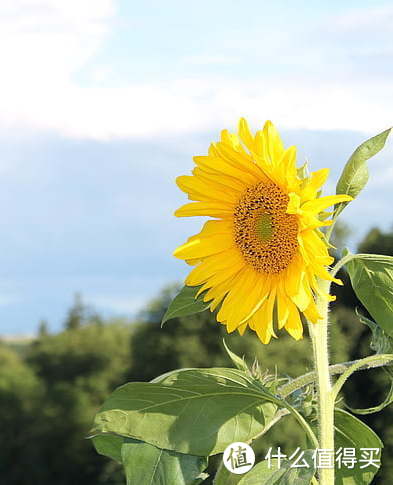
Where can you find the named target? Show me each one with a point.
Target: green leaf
(345, 252)
(185, 303)
(355, 173)
(109, 445)
(372, 280)
(164, 377)
(239, 362)
(380, 342)
(145, 464)
(261, 474)
(353, 433)
(197, 412)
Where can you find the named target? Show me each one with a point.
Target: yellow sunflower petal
(204, 246)
(217, 293)
(212, 209)
(311, 312)
(262, 320)
(293, 204)
(242, 328)
(245, 134)
(318, 205)
(294, 324)
(314, 183)
(204, 190)
(273, 141)
(243, 304)
(216, 165)
(226, 181)
(282, 308)
(303, 296)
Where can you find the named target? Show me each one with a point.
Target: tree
(43, 330)
(21, 394)
(77, 314)
(377, 242)
(47, 404)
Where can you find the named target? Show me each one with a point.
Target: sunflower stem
(319, 337)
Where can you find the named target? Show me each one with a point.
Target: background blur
(102, 105)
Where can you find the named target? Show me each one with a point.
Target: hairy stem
(378, 360)
(343, 261)
(319, 337)
(386, 358)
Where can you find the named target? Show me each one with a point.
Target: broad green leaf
(265, 473)
(164, 377)
(109, 445)
(372, 280)
(145, 464)
(185, 303)
(198, 412)
(355, 173)
(353, 433)
(239, 362)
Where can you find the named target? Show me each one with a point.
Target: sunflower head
(262, 252)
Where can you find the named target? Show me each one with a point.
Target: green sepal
(239, 362)
(302, 172)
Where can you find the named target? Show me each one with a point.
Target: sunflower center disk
(264, 233)
(264, 227)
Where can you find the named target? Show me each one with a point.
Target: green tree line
(51, 388)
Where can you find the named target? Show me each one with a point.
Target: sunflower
(263, 253)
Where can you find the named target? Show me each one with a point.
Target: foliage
(50, 391)
(92, 358)
(47, 402)
(366, 389)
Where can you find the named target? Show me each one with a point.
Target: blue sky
(100, 110)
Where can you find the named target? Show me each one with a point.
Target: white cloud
(214, 60)
(366, 20)
(199, 105)
(45, 41)
(43, 44)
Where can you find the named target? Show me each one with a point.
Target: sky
(104, 103)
